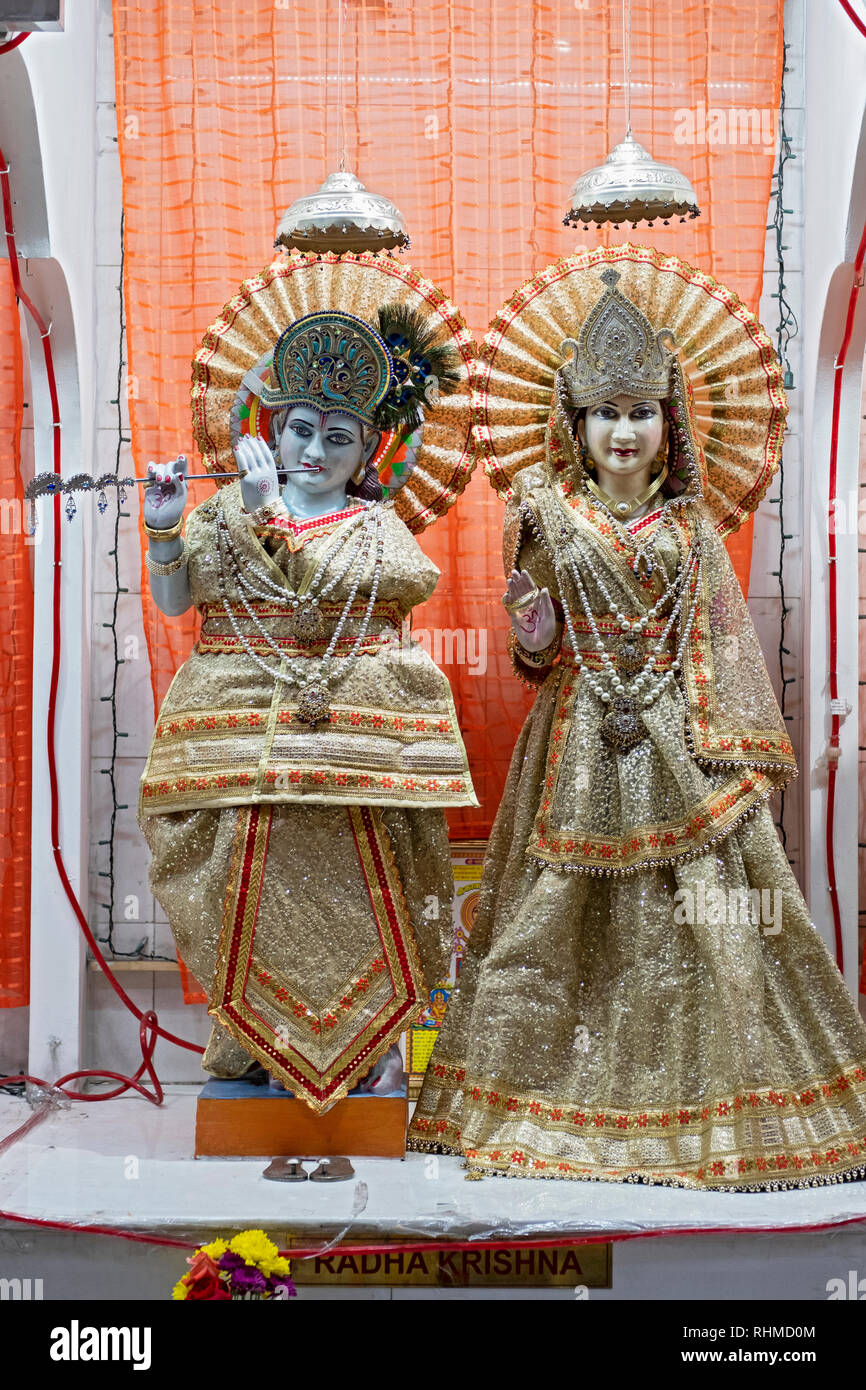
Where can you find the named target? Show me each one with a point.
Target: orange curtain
(16, 668)
(476, 118)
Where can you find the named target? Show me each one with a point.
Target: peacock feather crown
(334, 361)
(617, 352)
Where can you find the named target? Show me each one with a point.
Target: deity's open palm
(260, 483)
(165, 498)
(530, 610)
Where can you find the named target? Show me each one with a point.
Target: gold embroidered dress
(304, 867)
(643, 996)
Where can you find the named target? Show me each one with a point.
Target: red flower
(203, 1280)
(718, 1168)
(512, 1103)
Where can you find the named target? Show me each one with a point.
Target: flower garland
(249, 1266)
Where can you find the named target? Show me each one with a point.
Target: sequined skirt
(312, 929)
(683, 1024)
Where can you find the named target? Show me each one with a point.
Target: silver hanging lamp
(630, 186)
(342, 216)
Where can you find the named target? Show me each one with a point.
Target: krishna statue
(294, 795)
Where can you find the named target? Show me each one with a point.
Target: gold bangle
(164, 567)
(170, 533)
(531, 666)
(525, 601)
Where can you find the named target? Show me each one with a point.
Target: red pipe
(149, 1028)
(853, 17)
(12, 43)
(420, 1246)
(835, 719)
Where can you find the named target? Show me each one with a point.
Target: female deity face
(329, 448)
(623, 435)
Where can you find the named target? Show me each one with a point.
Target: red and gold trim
(239, 986)
(648, 845)
(297, 533)
(749, 747)
(218, 634)
(547, 1127)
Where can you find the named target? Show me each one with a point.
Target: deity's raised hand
(531, 611)
(260, 483)
(165, 498)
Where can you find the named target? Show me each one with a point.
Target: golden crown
(617, 352)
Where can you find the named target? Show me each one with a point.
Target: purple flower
(229, 1260)
(248, 1279)
(282, 1281)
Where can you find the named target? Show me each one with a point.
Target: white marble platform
(127, 1163)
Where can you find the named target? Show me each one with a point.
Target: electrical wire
(149, 1028)
(787, 329)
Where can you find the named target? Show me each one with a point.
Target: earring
(581, 453)
(659, 461)
(358, 475)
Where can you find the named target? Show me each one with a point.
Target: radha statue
(293, 798)
(643, 997)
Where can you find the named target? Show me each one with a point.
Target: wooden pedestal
(236, 1119)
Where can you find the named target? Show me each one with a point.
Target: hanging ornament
(102, 501)
(70, 507)
(630, 186)
(342, 216)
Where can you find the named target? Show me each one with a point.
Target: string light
(787, 328)
(111, 698)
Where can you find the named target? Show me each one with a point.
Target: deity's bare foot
(333, 1170)
(385, 1075)
(285, 1170)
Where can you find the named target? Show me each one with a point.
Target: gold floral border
(229, 1004)
(743, 746)
(786, 1166)
(651, 845)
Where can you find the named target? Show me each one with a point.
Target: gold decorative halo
(300, 283)
(738, 405)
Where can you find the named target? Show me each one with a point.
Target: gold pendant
(629, 655)
(313, 706)
(306, 622)
(622, 727)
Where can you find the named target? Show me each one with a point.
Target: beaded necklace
(622, 726)
(251, 581)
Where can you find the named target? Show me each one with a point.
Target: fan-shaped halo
(300, 283)
(739, 404)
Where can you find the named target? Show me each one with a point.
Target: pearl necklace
(622, 726)
(313, 706)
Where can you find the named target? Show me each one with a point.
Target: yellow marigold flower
(179, 1290)
(281, 1266)
(255, 1248)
